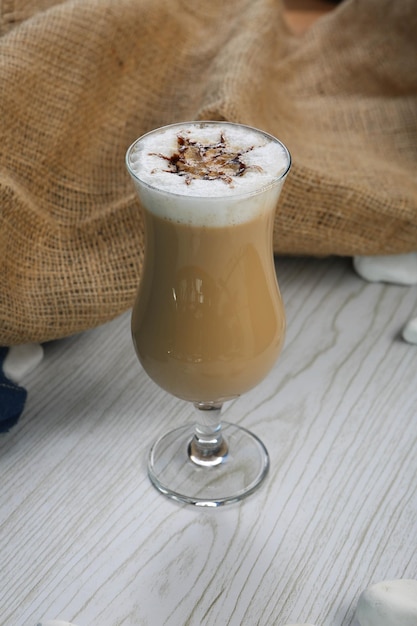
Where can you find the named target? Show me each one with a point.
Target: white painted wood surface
(85, 538)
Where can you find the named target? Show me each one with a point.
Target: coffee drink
(208, 322)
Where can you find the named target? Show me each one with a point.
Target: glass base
(239, 473)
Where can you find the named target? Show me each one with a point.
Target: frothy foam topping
(207, 160)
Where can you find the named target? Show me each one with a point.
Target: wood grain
(86, 538)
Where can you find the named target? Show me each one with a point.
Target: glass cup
(208, 321)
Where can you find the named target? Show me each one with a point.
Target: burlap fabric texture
(81, 79)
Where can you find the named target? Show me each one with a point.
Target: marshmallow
(22, 359)
(409, 332)
(399, 269)
(388, 603)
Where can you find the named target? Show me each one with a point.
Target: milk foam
(217, 201)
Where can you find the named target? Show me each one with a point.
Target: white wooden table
(85, 537)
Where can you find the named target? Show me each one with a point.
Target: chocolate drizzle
(216, 161)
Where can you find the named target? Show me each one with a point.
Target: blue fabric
(12, 398)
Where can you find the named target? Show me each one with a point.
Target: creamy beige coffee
(208, 322)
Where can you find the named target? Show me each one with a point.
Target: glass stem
(208, 447)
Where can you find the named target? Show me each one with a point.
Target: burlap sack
(81, 79)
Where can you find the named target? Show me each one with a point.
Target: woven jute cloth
(81, 79)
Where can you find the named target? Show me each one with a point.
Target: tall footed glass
(208, 322)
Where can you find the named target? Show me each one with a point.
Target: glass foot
(238, 472)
